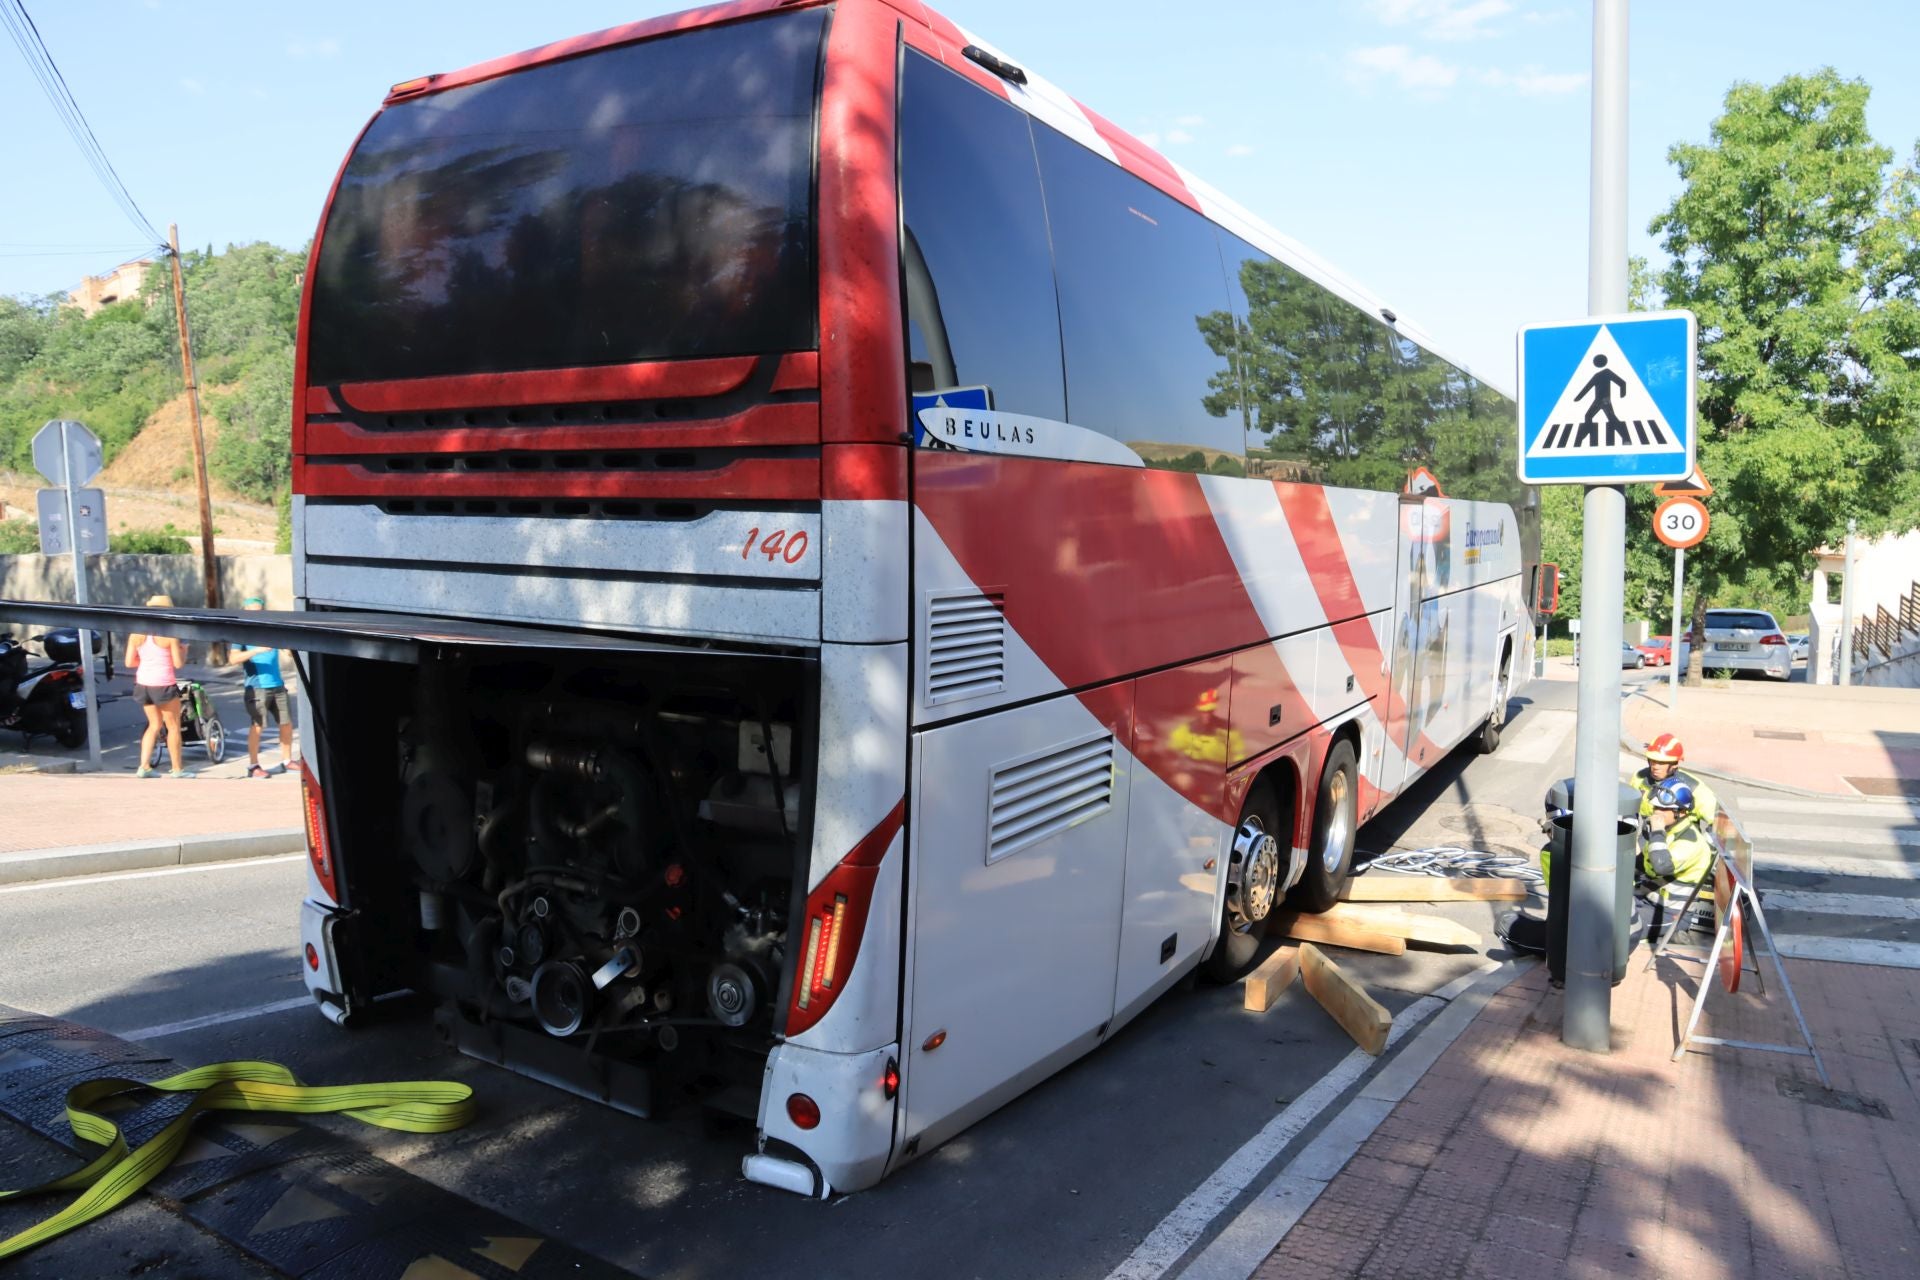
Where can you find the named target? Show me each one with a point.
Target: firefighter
(1676, 846)
(1664, 755)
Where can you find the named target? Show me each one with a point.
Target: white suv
(1744, 640)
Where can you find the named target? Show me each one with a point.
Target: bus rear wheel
(1336, 818)
(1255, 872)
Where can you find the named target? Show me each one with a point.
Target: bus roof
(1039, 97)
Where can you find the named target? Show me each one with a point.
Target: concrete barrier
(140, 855)
(115, 579)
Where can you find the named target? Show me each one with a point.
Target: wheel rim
(1258, 883)
(216, 742)
(1339, 824)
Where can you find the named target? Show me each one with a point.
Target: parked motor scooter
(48, 700)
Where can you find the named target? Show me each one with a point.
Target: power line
(26, 36)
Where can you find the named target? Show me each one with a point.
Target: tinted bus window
(979, 273)
(645, 202)
(1141, 289)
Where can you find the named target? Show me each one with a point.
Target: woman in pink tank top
(156, 663)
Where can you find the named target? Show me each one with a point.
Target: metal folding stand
(1737, 889)
(1674, 926)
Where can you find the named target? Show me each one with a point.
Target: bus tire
(1487, 740)
(1258, 869)
(1336, 819)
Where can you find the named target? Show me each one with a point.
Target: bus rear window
(642, 203)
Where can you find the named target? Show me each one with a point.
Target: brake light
(313, 958)
(1775, 638)
(803, 1111)
(835, 919)
(313, 804)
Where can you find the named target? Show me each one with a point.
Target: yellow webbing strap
(417, 1106)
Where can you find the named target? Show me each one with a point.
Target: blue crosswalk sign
(1608, 399)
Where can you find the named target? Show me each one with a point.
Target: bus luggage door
(1018, 866)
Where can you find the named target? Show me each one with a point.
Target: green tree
(1797, 244)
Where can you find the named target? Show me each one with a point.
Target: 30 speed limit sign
(1681, 522)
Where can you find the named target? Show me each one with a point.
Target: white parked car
(1743, 640)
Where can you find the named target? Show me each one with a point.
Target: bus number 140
(791, 547)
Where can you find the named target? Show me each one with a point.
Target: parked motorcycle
(49, 700)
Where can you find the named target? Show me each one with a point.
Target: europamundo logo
(1477, 538)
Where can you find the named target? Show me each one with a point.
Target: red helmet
(1666, 749)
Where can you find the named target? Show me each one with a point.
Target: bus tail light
(313, 805)
(803, 1111)
(835, 919)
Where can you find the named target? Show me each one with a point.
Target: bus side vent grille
(1042, 795)
(966, 645)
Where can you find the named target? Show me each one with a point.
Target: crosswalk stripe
(1872, 807)
(1828, 834)
(1829, 865)
(1539, 737)
(1842, 904)
(1893, 955)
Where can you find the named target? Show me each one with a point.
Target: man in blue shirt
(266, 695)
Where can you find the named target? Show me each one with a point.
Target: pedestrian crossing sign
(1608, 399)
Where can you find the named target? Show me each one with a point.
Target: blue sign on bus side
(979, 398)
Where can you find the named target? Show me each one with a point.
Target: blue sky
(1436, 150)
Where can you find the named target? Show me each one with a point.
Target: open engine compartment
(590, 860)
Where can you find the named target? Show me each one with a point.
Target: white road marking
(1893, 955)
(1761, 832)
(1189, 1220)
(1842, 904)
(1540, 737)
(303, 1000)
(1828, 865)
(108, 877)
(1863, 807)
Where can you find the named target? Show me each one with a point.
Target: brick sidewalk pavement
(54, 811)
(1516, 1156)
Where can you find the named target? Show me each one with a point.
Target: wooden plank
(1393, 887)
(1436, 930)
(1358, 1013)
(1312, 928)
(1275, 974)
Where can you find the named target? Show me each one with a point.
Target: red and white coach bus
(830, 576)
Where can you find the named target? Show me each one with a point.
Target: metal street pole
(1589, 999)
(71, 467)
(1846, 607)
(1673, 640)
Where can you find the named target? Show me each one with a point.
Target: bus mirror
(1546, 590)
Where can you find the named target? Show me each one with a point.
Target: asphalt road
(1065, 1181)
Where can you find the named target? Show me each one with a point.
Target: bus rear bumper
(849, 1147)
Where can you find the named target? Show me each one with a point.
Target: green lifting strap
(416, 1106)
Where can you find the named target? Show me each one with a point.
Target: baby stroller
(199, 725)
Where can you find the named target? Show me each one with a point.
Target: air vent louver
(1043, 795)
(966, 645)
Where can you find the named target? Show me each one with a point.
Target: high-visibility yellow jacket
(1681, 854)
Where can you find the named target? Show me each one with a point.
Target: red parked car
(1658, 650)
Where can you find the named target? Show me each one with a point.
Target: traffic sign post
(1680, 522)
(69, 455)
(1603, 402)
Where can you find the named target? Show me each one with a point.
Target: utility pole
(209, 566)
(1587, 1021)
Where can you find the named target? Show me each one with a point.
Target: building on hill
(117, 285)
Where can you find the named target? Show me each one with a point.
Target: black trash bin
(1560, 803)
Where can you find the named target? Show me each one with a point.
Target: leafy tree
(254, 453)
(1798, 247)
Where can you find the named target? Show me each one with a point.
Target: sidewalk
(1516, 1156)
(1849, 742)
